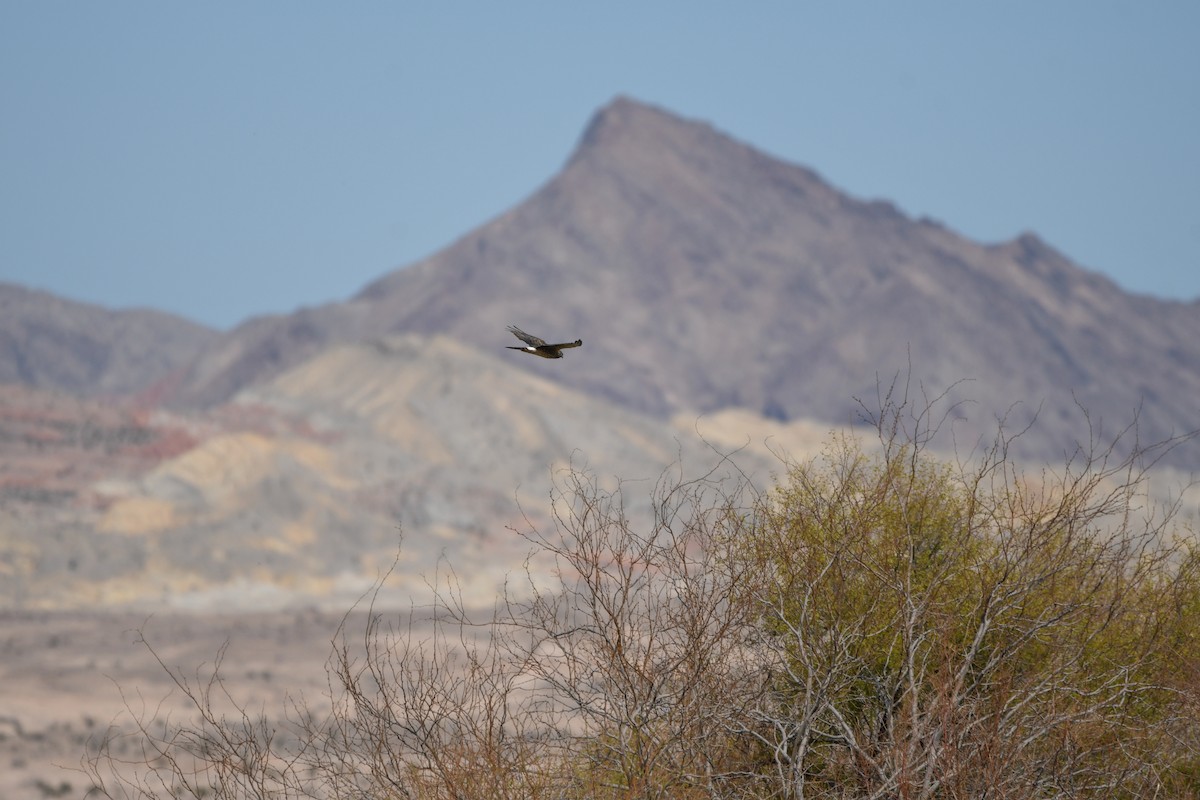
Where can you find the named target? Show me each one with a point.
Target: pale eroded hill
(297, 490)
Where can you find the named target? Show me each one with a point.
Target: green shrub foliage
(944, 632)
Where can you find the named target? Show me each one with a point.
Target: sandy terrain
(65, 678)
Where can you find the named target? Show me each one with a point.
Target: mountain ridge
(50, 342)
(705, 274)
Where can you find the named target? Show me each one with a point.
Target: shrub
(881, 623)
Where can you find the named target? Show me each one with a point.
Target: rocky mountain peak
(705, 274)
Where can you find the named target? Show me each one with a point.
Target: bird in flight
(538, 347)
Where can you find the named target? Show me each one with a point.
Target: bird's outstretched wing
(532, 341)
(538, 347)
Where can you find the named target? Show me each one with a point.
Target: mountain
(703, 274)
(47, 342)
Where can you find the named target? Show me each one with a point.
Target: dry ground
(65, 678)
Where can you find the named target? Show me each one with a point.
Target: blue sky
(222, 160)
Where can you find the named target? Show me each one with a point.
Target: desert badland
(249, 486)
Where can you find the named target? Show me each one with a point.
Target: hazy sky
(221, 160)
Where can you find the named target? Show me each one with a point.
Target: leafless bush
(639, 648)
(223, 750)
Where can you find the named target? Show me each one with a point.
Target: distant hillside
(297, 491)
(47, 342)
(703, 274)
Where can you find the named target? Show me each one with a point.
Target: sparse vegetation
(878, 624)
(61, 789)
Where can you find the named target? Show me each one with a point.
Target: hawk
(538, 347)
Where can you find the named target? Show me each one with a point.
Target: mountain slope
(703, 274)
(47, 342)
(297, 491)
